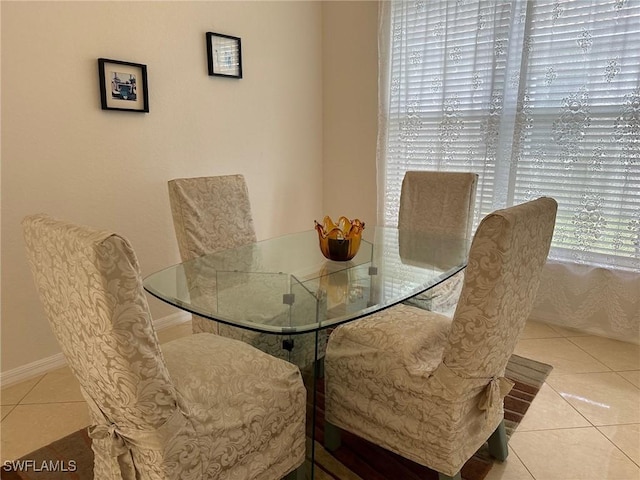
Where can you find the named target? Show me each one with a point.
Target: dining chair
(438, 203)
(431, 388)
(211, 214)
(199, 407)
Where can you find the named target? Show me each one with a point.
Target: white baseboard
(44, 365)
(172, 320)
(33, 369)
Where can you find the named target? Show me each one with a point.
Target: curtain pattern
(539, 97)
(578, 126)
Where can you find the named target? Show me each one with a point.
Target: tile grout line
(590, 354)
(616, 446)
(512, 450)
(570, 405)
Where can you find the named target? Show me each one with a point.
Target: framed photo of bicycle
(224, 55)
(123, 85)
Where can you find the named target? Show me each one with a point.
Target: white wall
(350, 84)
(63, 155)
(300, 125)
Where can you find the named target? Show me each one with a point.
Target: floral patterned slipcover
(211, 214)
(431, 388)
(200, 407)
(441, 203)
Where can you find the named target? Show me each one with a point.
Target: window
(539, 97)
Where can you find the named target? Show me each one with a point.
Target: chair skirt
(382, 385)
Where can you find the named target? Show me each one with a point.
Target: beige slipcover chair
(200, 407)
(439, 203)
(211, 214)
(430, 388)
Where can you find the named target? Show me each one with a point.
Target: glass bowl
(339, 242)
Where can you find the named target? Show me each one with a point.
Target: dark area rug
(71, 458)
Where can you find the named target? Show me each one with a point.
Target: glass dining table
(284, 290)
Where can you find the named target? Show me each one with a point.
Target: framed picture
(123, 85)
(224, 54)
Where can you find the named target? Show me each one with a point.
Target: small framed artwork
(224, 54)
(123, 85)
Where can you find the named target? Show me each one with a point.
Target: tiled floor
(584, 424)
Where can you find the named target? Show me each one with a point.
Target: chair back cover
(438, 202)
(210, 214)
(505, 261)
(90, 286)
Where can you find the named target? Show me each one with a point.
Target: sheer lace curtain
(539, 97)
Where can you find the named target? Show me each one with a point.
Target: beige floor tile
(538, 330)
(511, 469)
(5, 409)
(568, 332)
(572, 454)
(626, 438)
(29, 427)
(549, 410)
(617, 355)
(176, 331)
(59, 385)
(602, 398)
(564, 356)
(13, 394)
(633, 377)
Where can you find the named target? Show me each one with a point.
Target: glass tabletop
(285, 285)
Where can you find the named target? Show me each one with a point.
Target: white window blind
(579, 126)
(538, 97)
(435, 121)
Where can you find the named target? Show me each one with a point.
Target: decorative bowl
(339, 242)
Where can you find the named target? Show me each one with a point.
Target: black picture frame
(224, 55)
(127, 94)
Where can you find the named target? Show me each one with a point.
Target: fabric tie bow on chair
(494, 393)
